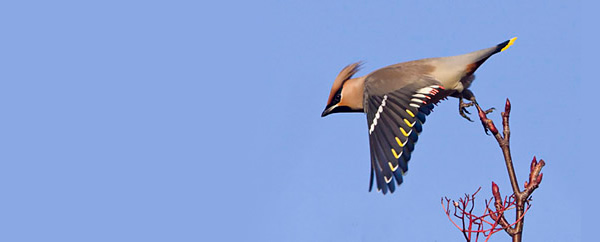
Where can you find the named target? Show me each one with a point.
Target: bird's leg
(474, 102)
(467, 94)
(462, 105)
(462, 108)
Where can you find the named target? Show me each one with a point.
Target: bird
(396, 100)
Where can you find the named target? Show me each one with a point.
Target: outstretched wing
(395, 120)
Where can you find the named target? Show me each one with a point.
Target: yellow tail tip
(510, 42)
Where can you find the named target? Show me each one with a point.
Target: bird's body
(396, 100)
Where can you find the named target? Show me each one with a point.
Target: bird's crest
(344, 75)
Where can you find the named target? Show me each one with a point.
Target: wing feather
(395, 119)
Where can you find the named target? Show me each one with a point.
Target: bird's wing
(395, 119)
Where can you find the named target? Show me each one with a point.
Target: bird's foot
(462, 108)
(489, 110)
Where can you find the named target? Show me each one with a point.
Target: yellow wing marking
(404, 132)
(408, 123)
(396, 154)
(399, 143)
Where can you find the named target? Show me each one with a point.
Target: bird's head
(346, 93)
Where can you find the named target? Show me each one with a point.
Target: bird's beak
(328, 110)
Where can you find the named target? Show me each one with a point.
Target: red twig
(473, 225)
(493, 220)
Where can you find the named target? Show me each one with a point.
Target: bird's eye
(338, 97)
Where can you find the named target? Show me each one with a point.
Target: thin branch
(518, 200)
(504, 142)
(535, 177)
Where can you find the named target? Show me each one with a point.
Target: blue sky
(200, 121)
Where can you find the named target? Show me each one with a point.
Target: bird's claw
(462, 109)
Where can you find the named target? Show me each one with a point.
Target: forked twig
(493, 220)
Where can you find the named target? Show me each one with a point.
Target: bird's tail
(504, 45)
(474, 59)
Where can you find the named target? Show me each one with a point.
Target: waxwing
(396, 100)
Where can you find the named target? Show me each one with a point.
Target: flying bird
(396, 100)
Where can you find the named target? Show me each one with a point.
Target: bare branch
(519, 200)
(521, 197)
